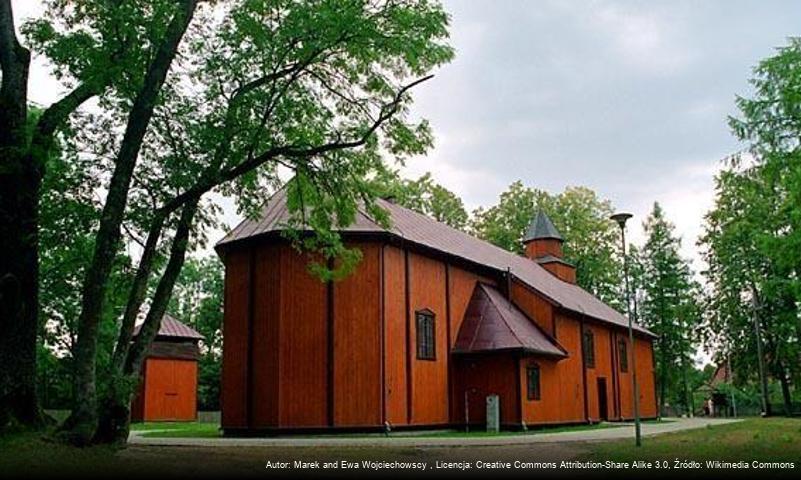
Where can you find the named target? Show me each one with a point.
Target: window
(426, 335)
(623, 355)
(589, 349)
(533, 382)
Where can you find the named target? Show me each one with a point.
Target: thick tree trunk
(115, 420)
(82, 424)
(20, 178)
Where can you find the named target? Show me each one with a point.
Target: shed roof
(416, 228)
(170, 327)
(492, 323)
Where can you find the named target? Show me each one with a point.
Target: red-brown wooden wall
(343, 354)
(168, 391)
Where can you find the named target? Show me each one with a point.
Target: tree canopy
(581, 217)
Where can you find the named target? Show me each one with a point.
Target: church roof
(492, 323)
(170, 327)
(541, 227)
(418, 229)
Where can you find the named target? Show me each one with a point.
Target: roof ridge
(419, 229)
(498, 308)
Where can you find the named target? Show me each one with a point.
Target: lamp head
(621, 218)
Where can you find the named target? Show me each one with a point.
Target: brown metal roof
(492, 323)
(419, 229)
(170, 327)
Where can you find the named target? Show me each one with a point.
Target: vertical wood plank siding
(303, 365)
(357, 344)
(265, 337)
(235, 340)
(395, 359)
(429, 377)
(343, 354)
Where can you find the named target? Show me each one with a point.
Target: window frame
(533, 390)
(623, 355)
(588, 341)
(425, 337)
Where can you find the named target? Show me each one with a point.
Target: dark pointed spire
(541, 227)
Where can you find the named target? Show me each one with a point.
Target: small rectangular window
(623, 355)
(533, 382)
(426, 336)
(589, 349)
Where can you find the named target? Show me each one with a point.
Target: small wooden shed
(168, 389)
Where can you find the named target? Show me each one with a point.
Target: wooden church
(168, 388)
(431, 322)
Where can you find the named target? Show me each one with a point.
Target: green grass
(35, 452)
(776, 439)
(535, 431)
(177, 429)
(31, 454)
(211, 430)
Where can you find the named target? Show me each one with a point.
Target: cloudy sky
(629, 98)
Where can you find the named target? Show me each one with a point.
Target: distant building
(432, 317)
(168, 390)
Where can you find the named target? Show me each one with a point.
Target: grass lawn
(177, 429)
(536, 431)
(33, 455)
(27, 453)
(776, 439)
(211, 430)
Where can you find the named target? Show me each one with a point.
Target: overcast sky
(628, 98)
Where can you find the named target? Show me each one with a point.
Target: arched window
(589, 349)
(533, 382)
(426, 335)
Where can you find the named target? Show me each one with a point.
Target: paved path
(618, 432)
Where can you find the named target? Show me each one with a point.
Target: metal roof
(541, 227)
(492, 323)
(552, 259)
(414, 227)
(170, 327)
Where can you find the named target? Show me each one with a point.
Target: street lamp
(621, 219)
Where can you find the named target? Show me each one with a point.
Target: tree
(669, 307)
(69, 212)
(317, 87)
(90, 66)
(425, 196)
(748, 289)
(752, 236)
(198, 301)
(591, 239)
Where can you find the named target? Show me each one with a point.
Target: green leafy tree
(425, 196)
(748, 289)
(753, 234)
(90, 66)
(669, 308)
(198, 301)
(69, 212)
(591, 239)
(318, 87)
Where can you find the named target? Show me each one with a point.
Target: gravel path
(601, 434)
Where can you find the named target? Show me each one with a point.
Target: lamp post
(621, 219)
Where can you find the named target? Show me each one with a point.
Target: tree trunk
(662, 378)
(787, 397)
(20, 178)
(82, 424)
(115, 420)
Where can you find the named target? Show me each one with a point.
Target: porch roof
(492, 323)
